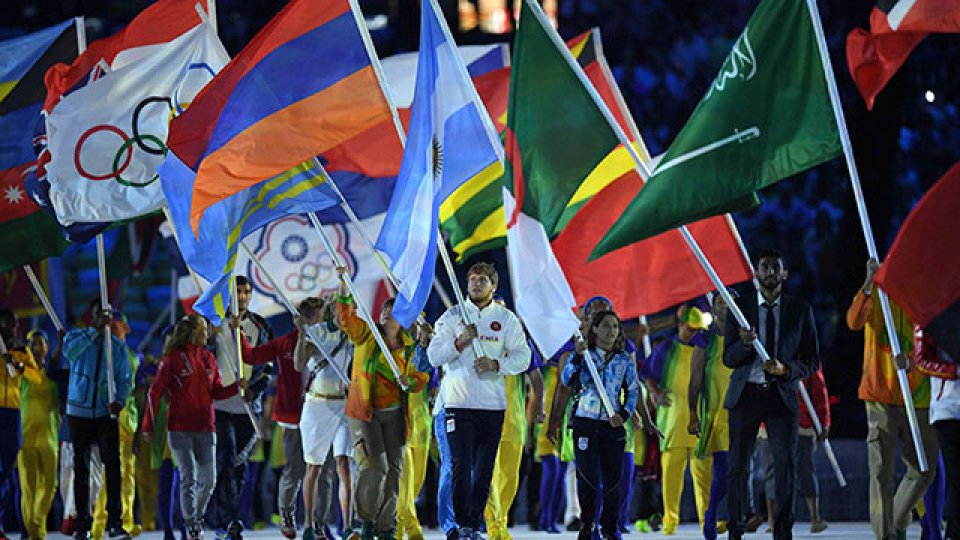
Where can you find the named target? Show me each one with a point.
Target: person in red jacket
(189, 377)
(807, 485)
(287, 409)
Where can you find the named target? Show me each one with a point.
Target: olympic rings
(176, 92)
(125, 147)
(116, 170)
(136, 123)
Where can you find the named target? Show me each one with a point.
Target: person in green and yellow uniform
(40, 418)
(418, 446)
(377, 413)
(506, 468)
(18, 365)
(709, 380)
(667, 375)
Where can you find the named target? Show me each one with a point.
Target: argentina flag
(451, 139)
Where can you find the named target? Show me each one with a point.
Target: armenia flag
(451, 139)
(305, 86)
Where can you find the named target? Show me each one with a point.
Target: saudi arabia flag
(766, 116)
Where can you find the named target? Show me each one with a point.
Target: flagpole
(27, 269)
(78, 22)
(377, 68)
(238, 337)
(287, 303)
(442, 293)
(107, 330)
(617, 94)
(152, 330)
(361, 307)
(867, 230)
(363, 232)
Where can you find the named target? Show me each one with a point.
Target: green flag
(765, 117)
(556, 132)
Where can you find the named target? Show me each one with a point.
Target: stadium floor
(846, 530)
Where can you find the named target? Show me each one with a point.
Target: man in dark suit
(766, 392)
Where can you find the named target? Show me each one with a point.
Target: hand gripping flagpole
(461, 301)
(597, 381)
(107, 330)
(361, 307)
(43, 297)
(287, 303)
(867, 231)
(644, 172)
(238, 368)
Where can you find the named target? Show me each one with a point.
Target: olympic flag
(107, 139)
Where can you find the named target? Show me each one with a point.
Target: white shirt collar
(761, 300)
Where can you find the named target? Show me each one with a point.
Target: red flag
(921, 271)
(651, 275)
(896, 27)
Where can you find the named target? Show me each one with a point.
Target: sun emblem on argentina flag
(437, 158)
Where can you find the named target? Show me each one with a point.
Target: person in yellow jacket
(506, 468)
(377, 413)
(418, 444)
(128, 420)
(40, 418)
(18, 364)
(667, 375)
(709, 380)
(148, 476)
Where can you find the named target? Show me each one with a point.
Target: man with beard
(766, 392)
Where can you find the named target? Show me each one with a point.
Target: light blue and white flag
(450, 139)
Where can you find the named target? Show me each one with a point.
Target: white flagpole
(345, 206)
(867, 230)
(107, 330)
(287, 303)
(442, 293)
(361, 306)
(238, 372)
(152, 330)
(27, 269)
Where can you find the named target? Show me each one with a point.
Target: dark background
(664, 53)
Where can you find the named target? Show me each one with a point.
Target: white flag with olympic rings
(107, 139)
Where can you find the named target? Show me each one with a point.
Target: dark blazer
(798, 350)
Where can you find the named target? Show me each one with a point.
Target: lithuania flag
(27, 233)
(765, 117)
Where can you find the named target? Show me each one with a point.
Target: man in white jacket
(472, 389)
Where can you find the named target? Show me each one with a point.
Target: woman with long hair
(599, 438)
(188, 374)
